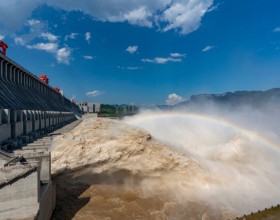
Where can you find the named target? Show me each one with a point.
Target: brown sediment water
(113, 201)
(107, 169)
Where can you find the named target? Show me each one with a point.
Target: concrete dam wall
(31, 112)
(27, 104)
(21, 90)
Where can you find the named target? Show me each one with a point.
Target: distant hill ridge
(260, 99)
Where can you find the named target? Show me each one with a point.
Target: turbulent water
(164, 166)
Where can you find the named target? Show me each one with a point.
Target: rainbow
(142, 117)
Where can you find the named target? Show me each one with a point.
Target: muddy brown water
(107, 196)
(106, 169)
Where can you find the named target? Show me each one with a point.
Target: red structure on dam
(3, 46)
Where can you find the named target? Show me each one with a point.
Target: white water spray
(242, 167)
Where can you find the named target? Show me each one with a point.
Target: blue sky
(145, 51)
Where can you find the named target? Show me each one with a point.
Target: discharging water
(164, 166)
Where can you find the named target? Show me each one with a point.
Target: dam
(106, 169)
(31, 111)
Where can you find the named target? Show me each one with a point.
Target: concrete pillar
(14, 75)
(46, 168)
(43, 119)
(6, 71)
(33, 120)
(0, 116)
(11, 74)
(48, 122)
(5, 126)
(13, 116)
(64, 117)
(57, 118)
(13, 119)
(17, 125)
(1, 69)
(24, 80)
(52, 118)
(29, 121)
(24, 120)
(7, 113)
(17, 76)
(20, 77)
(39, 119)
(19, 115)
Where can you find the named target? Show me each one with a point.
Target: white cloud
(94, 93)
(162, 60)
(185, 15)
(49, 36)
(139, 17)
(207, 48)
(19, 41)
(49, 47)
(2, 37)
(71, 36)
(14, 13)
(133, 67)
(88, 57)
(88, 36)
(37, 29)
(129, 67)
(182, 15)
(131, 49)
(63, 55)
(277, 29)
(33, 22)
(176, 55)
(215, 7)
(173, 99)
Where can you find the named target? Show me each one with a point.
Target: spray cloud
(237, 149)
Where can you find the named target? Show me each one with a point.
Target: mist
(236, 152)
(197, 162)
